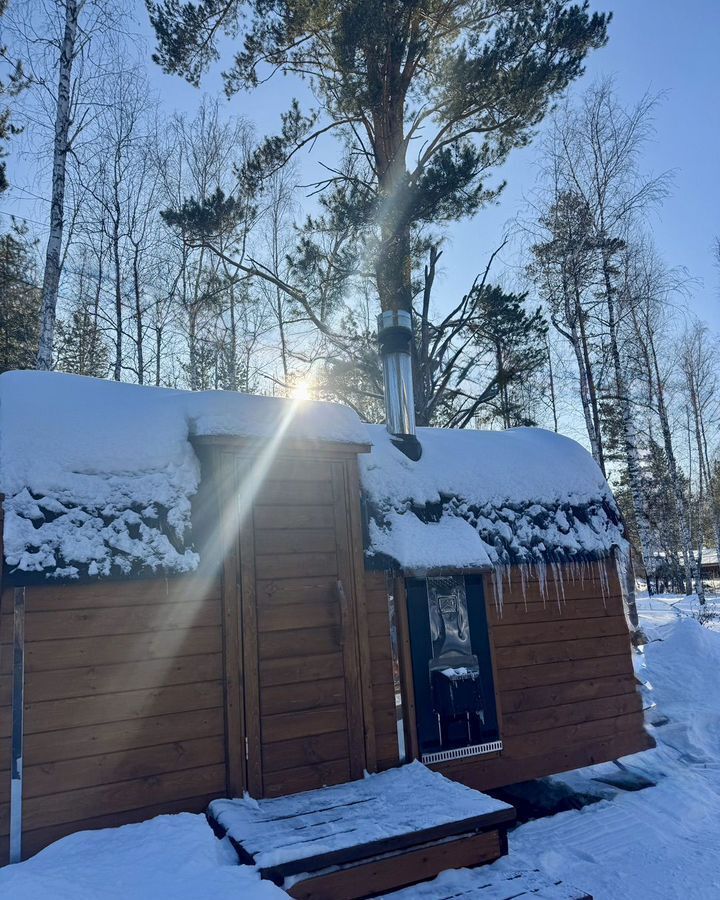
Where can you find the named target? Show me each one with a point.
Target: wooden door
(302, 686)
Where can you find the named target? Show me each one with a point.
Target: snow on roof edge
(513, 497)
(98, 475)
(93, 493)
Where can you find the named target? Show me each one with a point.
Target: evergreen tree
(428, 96)
(19, 301)
(9, 88)
(81, 345)
(516, 341)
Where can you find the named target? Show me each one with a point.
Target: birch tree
(647, 286)
(700, 382)
(67, 53)
(596, 151)
(563, 270)
(63, 45)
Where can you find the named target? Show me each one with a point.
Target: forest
(188, 249)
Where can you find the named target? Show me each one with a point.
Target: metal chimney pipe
(395, 337)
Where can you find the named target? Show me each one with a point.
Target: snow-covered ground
(174, 857)
(659, 843)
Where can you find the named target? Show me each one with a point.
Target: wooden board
(500, 770)
(489, 884)
(55, 715)
(306, 752)
(369, 879)
(38, 838)
(381, 670)
(294, 669)
(304, 680)
(124, 703)
(362, 826)
(565, 688)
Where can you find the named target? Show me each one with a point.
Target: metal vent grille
(462, 752)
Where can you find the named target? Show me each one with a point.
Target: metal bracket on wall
(18, 706)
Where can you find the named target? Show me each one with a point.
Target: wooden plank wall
(309, 715)
(6, 636)
(381, 667)
(564, 681)
(124, 704)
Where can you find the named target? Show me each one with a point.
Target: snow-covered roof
(98, 479)
(479, 499)
(98, 476)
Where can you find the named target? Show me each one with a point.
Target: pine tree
(9, 88)
(81, 345)
(427, 96)
(515, 339)
(19, 301)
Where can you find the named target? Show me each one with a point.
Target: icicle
(497, 572)
(541, 569)
(555, 578)
(523, 581)
(561, 568)
(604, 579)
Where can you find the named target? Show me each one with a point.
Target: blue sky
(656, 45)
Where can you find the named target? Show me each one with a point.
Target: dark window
(452, 667)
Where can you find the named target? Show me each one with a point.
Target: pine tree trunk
(51, 276)
(593, 435)
(711, 487)
(590, 382)
(393, 269)
(588, 394)
(192, 350)
(96, 307)
(394, 262)
(158, 350)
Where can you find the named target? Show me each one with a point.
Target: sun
(301, 390)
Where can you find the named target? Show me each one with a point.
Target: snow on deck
(487, 498)
(393, 803)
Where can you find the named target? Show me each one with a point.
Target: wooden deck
(367, 837)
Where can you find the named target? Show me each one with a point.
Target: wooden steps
(367, 837)
(484, 884)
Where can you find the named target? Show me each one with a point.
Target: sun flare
(301, 390)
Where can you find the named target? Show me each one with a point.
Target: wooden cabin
(205, 594)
